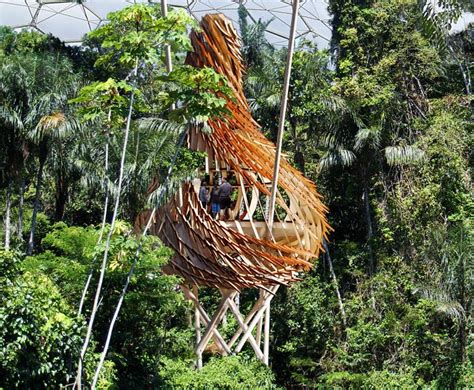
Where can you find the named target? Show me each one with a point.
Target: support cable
(281, 122)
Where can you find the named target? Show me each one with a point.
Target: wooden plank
(216, 319)
(244, 327)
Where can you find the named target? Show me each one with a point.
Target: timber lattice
(241, 252)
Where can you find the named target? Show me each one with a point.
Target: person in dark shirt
(224, 199)
(204, 194)
(215, 207)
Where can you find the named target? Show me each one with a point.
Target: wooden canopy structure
(240, 252)
(244, 251)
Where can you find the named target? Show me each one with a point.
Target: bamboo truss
(240, 252)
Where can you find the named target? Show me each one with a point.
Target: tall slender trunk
(299, 158)
(39, 179)
(334, 281)
(8, 206)
(464, 69)
(462, 301)
(20, 208)
(368, 220)
(102, 227)
(132, 268)
(60, 196)
(107, 244)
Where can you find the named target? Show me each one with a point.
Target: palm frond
(11, 117)
(160, 125)
(335, 104)
(445, 304)
(163, 193)
(273, 100)
(403, 155)
(52, 121)
(336, 157)
(56, 125)
(368, 136)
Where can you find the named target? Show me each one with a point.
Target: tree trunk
(42, 160)
(103, 267)
(370, 230)
(334, 281)
(368, 219)
(20, 209)
(299, 154)
(299, 157)
(462, 301)
(464, 69)
(60, 196)
(8, 206)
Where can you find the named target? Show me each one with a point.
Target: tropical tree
(384, 67)
(36, 81)
(14, 97)
(49, 122)
(134, 38)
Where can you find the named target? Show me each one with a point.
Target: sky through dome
(70, 21)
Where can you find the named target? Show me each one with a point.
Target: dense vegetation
(382, 122)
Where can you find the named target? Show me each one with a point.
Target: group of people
(219, 199)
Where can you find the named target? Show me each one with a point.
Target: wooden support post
(216, 319)
(259, 331)
(259, 326)
(251, 326)
(260, 309)
(248, 318)
(197, 327)
(257, 316)
(266, 336)
(244, 327)
(206, 320)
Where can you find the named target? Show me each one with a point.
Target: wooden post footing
(257, 317)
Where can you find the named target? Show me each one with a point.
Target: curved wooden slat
(233, 255)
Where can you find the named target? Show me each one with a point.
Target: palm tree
(349, 142)
(451, 254)
(256, 48)
(14, 97)
(48, 122)
(35, 86)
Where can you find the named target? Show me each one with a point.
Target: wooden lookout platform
(242, 251)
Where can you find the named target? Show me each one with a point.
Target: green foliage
(437, 190)
(232, 372)
(67, 253)
(372, 380)
(200, 90)
(100, 98)
(390, 331)
(39, 335)
(386, 128)
(10, 267)
(305, 331)
(43, 226)
(138, 33)
(152, 305)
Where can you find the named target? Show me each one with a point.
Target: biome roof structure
(241, 251)
(71, 20)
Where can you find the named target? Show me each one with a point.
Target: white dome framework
(71, 20)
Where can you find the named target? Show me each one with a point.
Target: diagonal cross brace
(206, 320)
(258, 313)
(216, 319)
(243, 327)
